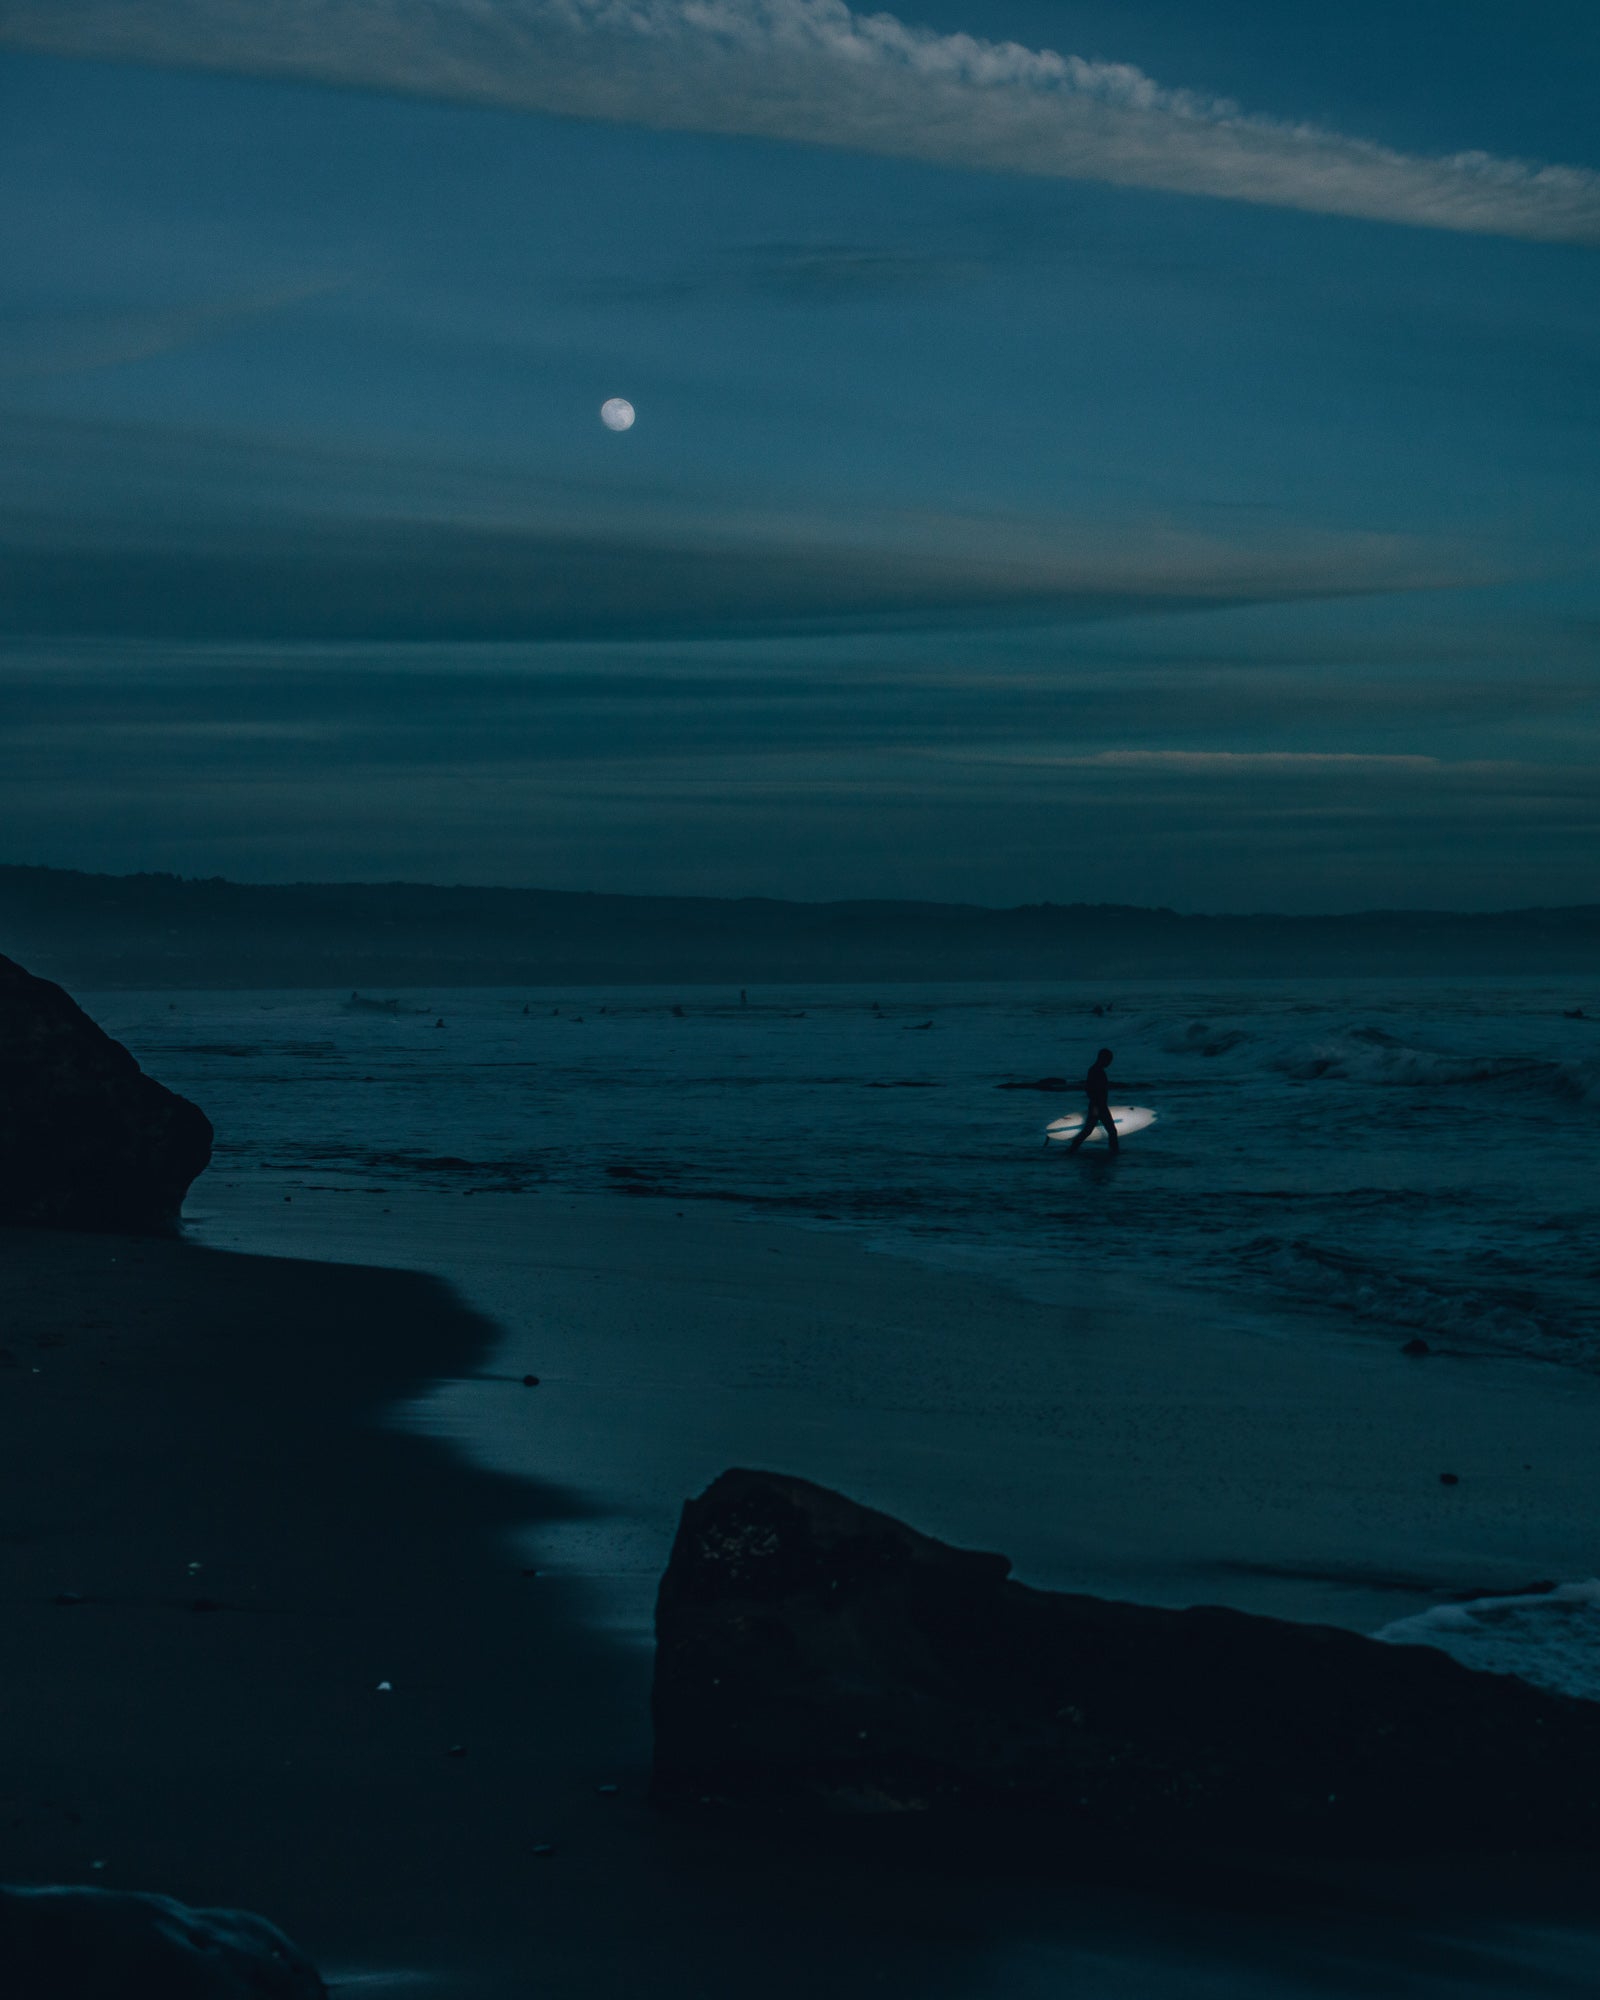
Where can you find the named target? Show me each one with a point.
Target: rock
(1416, 1347)
(87, 1140)
(1449, 1479)
(1051, 1083)
(813, 1655)
(97, 1944)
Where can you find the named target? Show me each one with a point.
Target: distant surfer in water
(1097, 1088)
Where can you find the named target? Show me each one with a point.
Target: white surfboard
(1126, 1117)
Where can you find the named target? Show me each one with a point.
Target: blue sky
(1003, 520)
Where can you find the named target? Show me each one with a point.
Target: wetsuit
(1097, 1088)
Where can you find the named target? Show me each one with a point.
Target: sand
(220, 1734)
(1106, 1435)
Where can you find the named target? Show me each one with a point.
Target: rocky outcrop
(813, 1654)
(97, 1944)
(87, 1140)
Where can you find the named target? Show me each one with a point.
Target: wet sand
(220, 1734)
(1106, 1435)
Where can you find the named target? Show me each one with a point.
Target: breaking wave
(1202, 1038)
(1370, 1056)
(1549, 1636)
(1504, 1317)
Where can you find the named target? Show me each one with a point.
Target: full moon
(616, 413)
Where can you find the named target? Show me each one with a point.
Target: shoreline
(218, 1734)
(247, 1412)
(1108, 1436)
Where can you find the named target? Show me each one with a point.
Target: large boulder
(815, 1655)
(98, 1944)
(87, 1140)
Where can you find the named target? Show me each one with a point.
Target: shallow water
(1416, 1155)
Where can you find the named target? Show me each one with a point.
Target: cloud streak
(127, 529)
(814, 72)
(418, 580)
(1226, 762)
(84, 342)
(1217, 763)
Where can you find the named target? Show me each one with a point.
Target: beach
(297, 1428)
(648, 651)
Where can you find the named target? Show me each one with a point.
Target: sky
(1137, 452)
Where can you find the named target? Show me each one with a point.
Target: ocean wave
(1506, 1317)
(1549, 1637)
(1369, 1056)
(398, 1164)
(1202, 1038)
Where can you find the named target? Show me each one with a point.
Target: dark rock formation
(1054, 1084)
(96, 1944)
(814, 1654)
(87, 1140)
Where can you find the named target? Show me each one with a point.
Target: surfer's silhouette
(1097, 1088)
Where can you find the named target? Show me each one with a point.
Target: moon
(616, 413)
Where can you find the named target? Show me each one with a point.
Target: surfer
(1097, 1088)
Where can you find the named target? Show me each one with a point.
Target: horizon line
(1162, 910)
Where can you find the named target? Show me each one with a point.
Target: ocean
(1418, 1157)
(1414, 1160)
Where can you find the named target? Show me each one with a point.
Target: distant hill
(163, 930)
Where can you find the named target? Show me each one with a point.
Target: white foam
(1366, 1055)
(1550, 1638)
(1449, 1312)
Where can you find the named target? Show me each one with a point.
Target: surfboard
(1126, 1117)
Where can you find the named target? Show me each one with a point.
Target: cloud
(1208, 763)
(815, 72)
(110, 528)
(413, 580)
(1225, 762)
(821, 273)
(79, 343)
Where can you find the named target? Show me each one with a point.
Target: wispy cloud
(80, 342)
(1226, 761)
(818, 273)
(1202, 763)
(128, 528)
(815, 72)
(388, 579)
